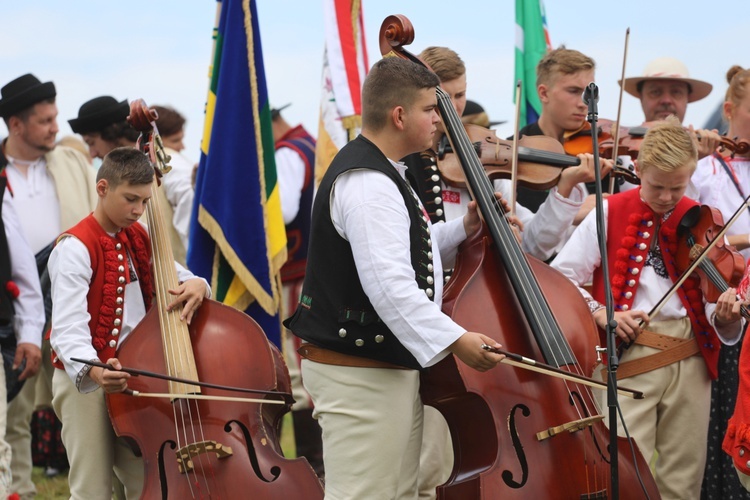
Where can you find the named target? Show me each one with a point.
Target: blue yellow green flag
(532, 42)
(237, 236)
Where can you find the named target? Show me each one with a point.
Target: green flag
(532, 42)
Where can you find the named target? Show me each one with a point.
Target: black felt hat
(99, 112)
(275, 112)
(24, 92)
(474, 113)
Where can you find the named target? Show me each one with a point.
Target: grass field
(56, 488)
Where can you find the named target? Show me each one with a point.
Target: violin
(723, 267)
(630, 142)
(517, 434)
(579, 141)
(196, 439)
(541, 160)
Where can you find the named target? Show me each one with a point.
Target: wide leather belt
(329, 357)
(672, 349)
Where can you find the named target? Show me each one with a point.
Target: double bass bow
(196, 439)
(517, 434)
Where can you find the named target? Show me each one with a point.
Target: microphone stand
(591, 97)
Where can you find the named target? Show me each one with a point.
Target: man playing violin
(722, 180)
(562, 76)
(666, 89)
(673, 355)
(544, 231)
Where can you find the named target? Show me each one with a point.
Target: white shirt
(580, 257)
(545, 232)
(710, 185)
(28, 320)
(368, 211)
(70, 272)
(290, 172)
(178, 187)
(36, 202)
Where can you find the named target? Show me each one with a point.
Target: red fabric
(105, 287)
(627, 249)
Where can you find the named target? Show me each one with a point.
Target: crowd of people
(370, 252)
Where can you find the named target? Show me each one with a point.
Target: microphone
(591, 91)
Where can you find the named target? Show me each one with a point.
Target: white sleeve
(551, 226)
(28, 320)
(290, 172)
(368, 210)
(580, 256)
(70, 273)
(178, 187)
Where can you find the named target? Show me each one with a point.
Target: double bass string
(177, 347)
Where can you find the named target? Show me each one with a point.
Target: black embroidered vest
(334, 312)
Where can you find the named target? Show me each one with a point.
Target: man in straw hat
(53, 188)
(666, 89)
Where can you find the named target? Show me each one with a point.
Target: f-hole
(252, 455)
(518, 446)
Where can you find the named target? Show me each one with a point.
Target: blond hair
(668, 146)
(444, 62)
(561, 61)
(738, 79)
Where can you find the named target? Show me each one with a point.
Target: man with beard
(53, 189)
(666, 89)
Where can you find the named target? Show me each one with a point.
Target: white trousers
(372, 429)
(672, 418)
(94, 451)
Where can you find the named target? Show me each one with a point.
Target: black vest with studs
(334, 312)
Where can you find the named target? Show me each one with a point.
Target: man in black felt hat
(53, 188)
(102, 122)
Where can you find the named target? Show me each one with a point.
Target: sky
(159, 50)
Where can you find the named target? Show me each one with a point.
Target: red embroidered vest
(629, 235)
(737, 438)
(109, 264)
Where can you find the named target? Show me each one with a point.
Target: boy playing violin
(102, 285)
(673, 356)
(544, 231)
(370, 307)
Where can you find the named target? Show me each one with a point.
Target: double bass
(518, 434)
(199, 442)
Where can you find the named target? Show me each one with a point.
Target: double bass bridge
(186, 453)
(571, 427)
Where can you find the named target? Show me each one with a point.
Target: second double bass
(518, 434)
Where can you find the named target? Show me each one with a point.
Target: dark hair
(392, 82)
(126, 164)
(119, 130)
(170, 120)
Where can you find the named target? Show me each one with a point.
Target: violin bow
(514, 152)
(286, 398)
(719, 236)
(616, 144)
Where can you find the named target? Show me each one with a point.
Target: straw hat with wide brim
(668, 68)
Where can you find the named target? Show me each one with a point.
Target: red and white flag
(345, 66)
